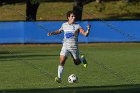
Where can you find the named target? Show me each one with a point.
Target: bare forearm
(54, 33)
(87, 32)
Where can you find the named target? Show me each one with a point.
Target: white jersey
(71, 31)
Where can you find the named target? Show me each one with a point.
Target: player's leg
(83, 60)
(60, 68)
(75, 55)
(77, 60)
(63, 57)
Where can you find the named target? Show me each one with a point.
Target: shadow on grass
(10, 57)
(88, 89)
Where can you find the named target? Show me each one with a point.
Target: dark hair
(69, 13)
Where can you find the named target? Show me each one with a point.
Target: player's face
(71, 18)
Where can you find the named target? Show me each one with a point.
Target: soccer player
(71, 31)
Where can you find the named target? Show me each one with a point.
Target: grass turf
(35, 67)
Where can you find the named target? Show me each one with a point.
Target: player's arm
(55, 32)
(85, 33)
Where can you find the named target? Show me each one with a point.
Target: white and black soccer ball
(72, 78)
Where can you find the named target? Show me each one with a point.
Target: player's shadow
(86, 89)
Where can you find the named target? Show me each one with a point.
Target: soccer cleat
(85, 65)
(58, 80)
(84, 61)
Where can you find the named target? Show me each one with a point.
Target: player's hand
(49, 34)
(88, 26)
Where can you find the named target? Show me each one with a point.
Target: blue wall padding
(101, 31)
(11, 32)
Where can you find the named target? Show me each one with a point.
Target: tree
(78, 9)
(98, 1)
(31, 9)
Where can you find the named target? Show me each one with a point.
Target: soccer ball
(72, 78)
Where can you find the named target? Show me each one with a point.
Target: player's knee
(77, 62)
(62, 64)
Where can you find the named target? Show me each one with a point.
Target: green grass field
(112, 66)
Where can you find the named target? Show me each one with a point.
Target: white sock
(60, 71)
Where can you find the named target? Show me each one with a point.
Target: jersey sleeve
(79, 27)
